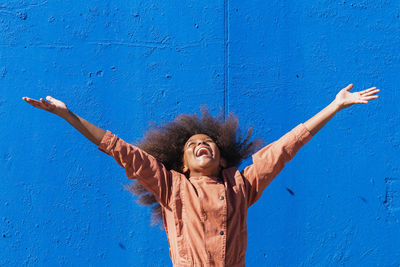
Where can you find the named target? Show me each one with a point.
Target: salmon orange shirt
(205, 217)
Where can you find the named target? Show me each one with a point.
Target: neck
(215, 173)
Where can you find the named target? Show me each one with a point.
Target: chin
(206, 162)
(207, 165)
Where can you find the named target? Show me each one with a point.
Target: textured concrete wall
(121, 64)
(338, 202)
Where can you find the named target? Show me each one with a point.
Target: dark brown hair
(166, 144)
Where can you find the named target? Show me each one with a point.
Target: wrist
(336, 106)
(65, 114)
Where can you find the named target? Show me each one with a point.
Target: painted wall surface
(123, 64)
(288, 60)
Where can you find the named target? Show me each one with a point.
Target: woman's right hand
(54, 106)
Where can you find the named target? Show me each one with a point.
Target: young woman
(189, 168)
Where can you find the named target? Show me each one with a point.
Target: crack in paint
(54, 46)
(18, 11)
(153, 45)
(226, 58)
(391, 199)
(160, 44)
(26, 7)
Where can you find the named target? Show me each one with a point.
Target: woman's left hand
(345, 98)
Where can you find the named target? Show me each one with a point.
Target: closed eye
(190, 144)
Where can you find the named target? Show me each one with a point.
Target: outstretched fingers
(42, 104)
(369, 91)
(370, 97)
(368, 94)
(49, 106)
(45, 102)
(33, 102)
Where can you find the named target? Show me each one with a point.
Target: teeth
(203, 149)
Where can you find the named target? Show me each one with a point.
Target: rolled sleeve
(107, 142)
(139, 165)
(270, 160)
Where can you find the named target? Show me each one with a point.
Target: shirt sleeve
(270, 160)
(139, 165)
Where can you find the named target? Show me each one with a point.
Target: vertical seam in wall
(226, 58)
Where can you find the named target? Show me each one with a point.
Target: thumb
(349, 87)
(51, 99)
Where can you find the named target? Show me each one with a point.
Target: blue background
(123, 64)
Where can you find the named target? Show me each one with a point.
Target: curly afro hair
(166, 144)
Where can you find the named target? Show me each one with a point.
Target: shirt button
(221, 197)
(221, 233)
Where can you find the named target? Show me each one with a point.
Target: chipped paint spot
(392, 194)
(290, 191)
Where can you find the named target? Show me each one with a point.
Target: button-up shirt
(205, 217)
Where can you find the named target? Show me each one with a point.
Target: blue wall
(121, 64)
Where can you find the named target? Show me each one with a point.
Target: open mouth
(203, 151)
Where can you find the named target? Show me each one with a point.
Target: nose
(199, 142)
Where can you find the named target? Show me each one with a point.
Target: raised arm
(270, 160)
(343, 100)
(137, 163)
(89, 130)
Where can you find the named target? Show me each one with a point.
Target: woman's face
(201, 156)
